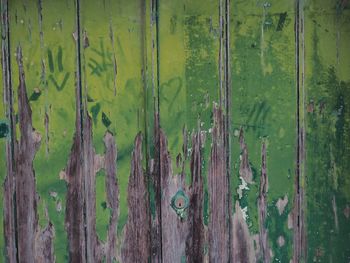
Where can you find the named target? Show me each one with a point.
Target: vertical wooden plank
(9, 237)
(326, 110)
(48, 57)
(56, 114)
(113, 97)
(263, 129)
(189, 86)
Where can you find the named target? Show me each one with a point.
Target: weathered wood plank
(263, 112)
(55, 109)
(188, 62)
(8, 240)
(240, 112)
(218, 188)
(48, 58)
(326, 87)
(136, 243)
(112, 59)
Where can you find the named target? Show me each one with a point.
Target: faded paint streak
(262, 207)
(218, 188)
(136, 245)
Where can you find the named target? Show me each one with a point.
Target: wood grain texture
(264, 109)
(218, 188)
(136, 243)
(26, 195)
(197, 236)
(9, 203)
(112, 192)
(190, 131)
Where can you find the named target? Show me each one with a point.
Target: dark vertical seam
(144, 58)
(155, 14)
(81, 111)
(9, 114)
(228, 115)
(158, 122)
(297, 62)
(80, 98)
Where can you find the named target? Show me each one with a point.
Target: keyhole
(179, 202)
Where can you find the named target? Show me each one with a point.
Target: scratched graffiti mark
(256, 117)
(59, 85)
(103, 62)
(170, 90)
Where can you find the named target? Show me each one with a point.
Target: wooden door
(175, 131)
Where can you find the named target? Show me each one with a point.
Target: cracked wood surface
(240, 112)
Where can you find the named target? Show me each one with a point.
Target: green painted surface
(264, 105)
(189, 77)
(119, 108)
(59, 104)
(327, 121)
(185, 47)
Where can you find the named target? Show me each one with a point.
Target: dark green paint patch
(105, 120)
(95, 111)
(281, 21)
(4, 129)
(50, 59)
(104, 205)
(59, 59)
(35, 95)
